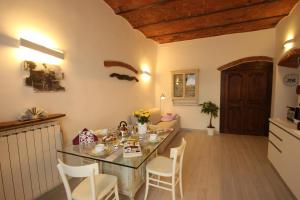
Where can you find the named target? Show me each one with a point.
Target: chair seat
(103, 184)
(161, 166)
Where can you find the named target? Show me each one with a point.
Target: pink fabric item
(168, 117)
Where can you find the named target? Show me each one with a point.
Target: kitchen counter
(284, 152)
(286, 125)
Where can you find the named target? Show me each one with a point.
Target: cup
(101, 132)
(99, 147)
(153, 137)
(104, 131)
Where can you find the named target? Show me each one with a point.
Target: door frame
(234, 64)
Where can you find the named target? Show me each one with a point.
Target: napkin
(85, 137)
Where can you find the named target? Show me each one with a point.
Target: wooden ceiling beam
(256, 12)
(122, 6)
(221, 30)
(177, 20)
(174, 10)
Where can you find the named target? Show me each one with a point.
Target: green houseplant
(210, 109)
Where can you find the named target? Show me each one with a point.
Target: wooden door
(246, 98)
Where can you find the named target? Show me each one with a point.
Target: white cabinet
(284, 154)
(291, 163)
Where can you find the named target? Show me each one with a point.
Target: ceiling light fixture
(288, 44)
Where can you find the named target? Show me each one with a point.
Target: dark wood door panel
(255, 121)
(234, 122)
(234, 87)
(254, 80)
(246, 98)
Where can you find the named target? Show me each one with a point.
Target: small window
(185, 87)
(178, 85)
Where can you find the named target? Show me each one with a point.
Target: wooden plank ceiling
(175, 20)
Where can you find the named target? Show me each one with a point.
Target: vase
(210, 131)
(142, 128)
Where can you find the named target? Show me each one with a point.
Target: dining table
(130, 171)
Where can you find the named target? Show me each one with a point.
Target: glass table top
(114, 153)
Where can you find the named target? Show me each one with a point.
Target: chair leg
(180, 185)
(173, 191)
(147, 185)
(116, 192)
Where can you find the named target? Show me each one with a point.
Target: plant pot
(210, 131)
(142, 128)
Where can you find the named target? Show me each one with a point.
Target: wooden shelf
(290, 59)
(17, 124)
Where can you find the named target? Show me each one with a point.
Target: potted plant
(211, 109)
(142, 118)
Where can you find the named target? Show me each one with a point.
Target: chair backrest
(177, 155)
(78, 172)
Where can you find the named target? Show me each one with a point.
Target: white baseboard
(197, 130)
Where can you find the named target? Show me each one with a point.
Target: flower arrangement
(142, 116)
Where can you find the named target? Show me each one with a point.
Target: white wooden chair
(95, 186)
(166, 167)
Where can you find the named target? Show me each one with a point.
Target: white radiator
(28, 161)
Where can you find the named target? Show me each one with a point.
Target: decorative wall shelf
(110, 63)
(17, 124)
(124, 77)
(290, 59)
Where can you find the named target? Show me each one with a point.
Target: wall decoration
(124, 77)
(109, 63)
(33, 113)
(290, 80)
(43, 77)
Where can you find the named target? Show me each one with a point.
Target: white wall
(89, 33)
(287, 28)
(207, 54)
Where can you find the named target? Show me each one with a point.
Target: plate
(154, 141)
(95, 153)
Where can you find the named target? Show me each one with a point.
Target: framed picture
(44, 77)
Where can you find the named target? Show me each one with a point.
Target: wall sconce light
(145, 75)
(288, 44)
(40, 48)
(162, 97)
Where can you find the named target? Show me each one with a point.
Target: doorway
(246, 90)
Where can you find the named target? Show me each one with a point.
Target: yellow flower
(142, 113)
